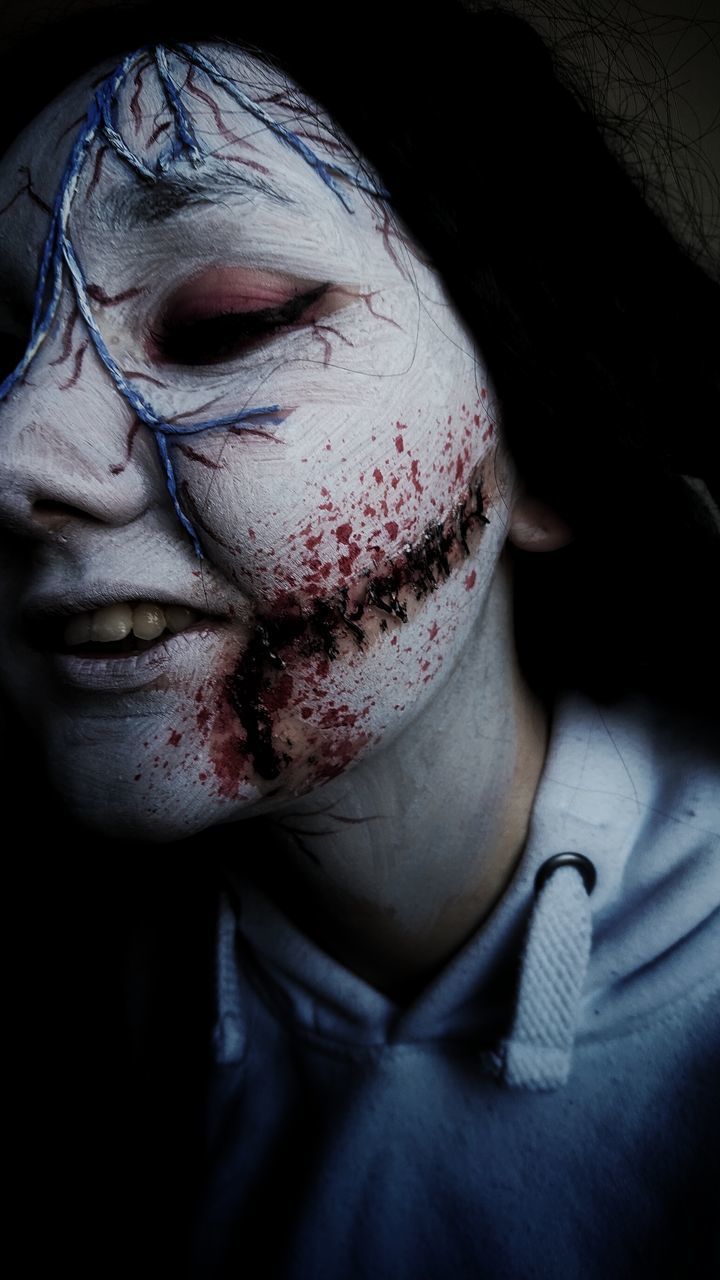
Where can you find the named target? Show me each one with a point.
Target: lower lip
(122, 673)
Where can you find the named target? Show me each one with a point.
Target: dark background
(655, 65)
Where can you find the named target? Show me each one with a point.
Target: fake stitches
(58, 255)
(261, 685)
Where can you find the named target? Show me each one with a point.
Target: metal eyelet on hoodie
(583, 864)
(537, 1054)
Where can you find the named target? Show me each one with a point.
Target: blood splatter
(260, 684)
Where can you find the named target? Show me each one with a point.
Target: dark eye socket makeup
(216, 316)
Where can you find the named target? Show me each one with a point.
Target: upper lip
(51, 605)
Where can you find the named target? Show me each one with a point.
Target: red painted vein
(189, 452)
(97, 169)
(387, 229)
(222, 128)
(157, 132)
(98, 294)
(77, 367)
(135, 100)
(118, 467)
(145, 377)
(67, 338)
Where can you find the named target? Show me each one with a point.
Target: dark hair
(599, 330)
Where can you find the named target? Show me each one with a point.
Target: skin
(355, 688)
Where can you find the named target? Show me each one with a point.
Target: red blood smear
(343, 753)
(339, 718)
(229, 753)
(279, 694)
(345, 563)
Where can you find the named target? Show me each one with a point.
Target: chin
(162, 805)
(116, 806)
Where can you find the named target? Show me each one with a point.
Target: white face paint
(350, 538)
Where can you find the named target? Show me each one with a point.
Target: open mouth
(118, 631)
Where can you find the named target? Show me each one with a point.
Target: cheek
(291, 528)
(319, 682)
(307, 696)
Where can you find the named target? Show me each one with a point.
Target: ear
(535, 526)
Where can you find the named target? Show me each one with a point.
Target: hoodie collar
(621, 786)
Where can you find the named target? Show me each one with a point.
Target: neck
(393, 866)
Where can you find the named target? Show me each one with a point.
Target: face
(206, 622)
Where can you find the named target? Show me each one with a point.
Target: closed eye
(213, 338)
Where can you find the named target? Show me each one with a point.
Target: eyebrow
(140, 203)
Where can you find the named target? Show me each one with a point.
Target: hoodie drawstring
(538, 1051)
(230, 1033)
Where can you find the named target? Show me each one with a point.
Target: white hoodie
(549, 1106)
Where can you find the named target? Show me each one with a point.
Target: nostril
(55, 515)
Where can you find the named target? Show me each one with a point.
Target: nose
(72, 453)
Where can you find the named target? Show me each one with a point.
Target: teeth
(178, 618)
(146, 620)
(113, 623)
